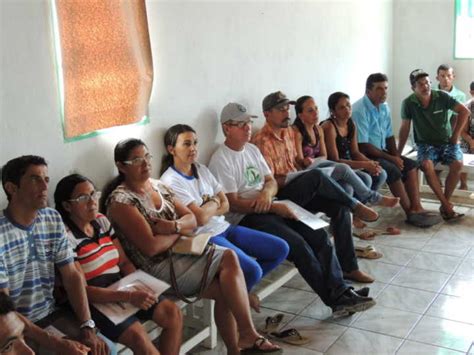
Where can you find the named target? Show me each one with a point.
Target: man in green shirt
(436, 140)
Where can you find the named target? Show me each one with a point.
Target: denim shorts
(444, 154)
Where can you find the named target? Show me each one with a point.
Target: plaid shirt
(279, 151)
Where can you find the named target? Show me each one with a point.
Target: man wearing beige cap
(250, 188)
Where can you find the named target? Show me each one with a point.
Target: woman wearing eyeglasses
(196, 187)
(100, 257)
(149, 220)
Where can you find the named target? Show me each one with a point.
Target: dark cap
(417, 74)
(274, 100)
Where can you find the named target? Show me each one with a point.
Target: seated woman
(310, 144)
(149, 220)
(340, 136)
(196, 187)
(99, 255)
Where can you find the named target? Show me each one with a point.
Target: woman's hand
(142, 299)
(307, 161)
(163, 226)
(373, 167)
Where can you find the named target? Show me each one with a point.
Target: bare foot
(365, 213)
(358, 223)
(388, 201)
(359, 276)
(254, 302)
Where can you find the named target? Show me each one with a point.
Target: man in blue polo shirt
(375, 136)
(437, 141)
(33, 242)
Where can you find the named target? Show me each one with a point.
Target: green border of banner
(457, 10)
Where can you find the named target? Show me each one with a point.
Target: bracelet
(129, 296)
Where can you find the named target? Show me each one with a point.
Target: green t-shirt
(430, 125)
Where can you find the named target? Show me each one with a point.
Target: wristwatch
(88, 324)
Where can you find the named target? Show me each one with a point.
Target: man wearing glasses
(436, 140)
(250, 188)
(33, 243)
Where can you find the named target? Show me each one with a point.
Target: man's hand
(262, 203)
(282, 210)
(70, 347)
(142, 299)
(397, 161)
(97, 345)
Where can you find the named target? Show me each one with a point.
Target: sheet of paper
(117, 312)
(313, 221)
(291, 176)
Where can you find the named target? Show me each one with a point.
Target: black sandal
(257, 348)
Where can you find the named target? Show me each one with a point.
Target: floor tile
(356, 341)
(470, 254)
(435, 262)
(318, 310)
(405, 299)
(289, 300)
(394, 255)
(387, 321)
(451, 248)
(460, 309)
(442, 332)
(381, 271)
(412, 347)
(421, 279)
(322, 334)
(406, 240)
(466, 268)
(461, 286)
(299, 283)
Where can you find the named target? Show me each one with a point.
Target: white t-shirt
(242, 172)
(189, 189)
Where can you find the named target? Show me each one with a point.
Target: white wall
(423, 37)
(205, 54)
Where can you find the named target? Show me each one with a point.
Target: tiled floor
(424, 291)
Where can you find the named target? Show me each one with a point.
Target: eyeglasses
(139, 161)
(240, 124)
(95, 195)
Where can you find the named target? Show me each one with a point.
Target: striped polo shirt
(97, 255)
(28, 256)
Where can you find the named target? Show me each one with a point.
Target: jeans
(318, 193)
(310, 250)
(268, 250)
(356, 182)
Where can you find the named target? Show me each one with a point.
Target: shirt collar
(267, 130)
(414, 98)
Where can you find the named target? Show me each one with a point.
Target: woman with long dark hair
(100, 257)
(149, 220)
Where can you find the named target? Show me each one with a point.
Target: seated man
(375, 136)
(15, 329)
(32, 242)
(250, 187)
(436, 140)
(312, 190)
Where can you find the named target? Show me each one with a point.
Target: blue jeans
(356, 182)
(268, 250)
(319, 193)
(310, 250)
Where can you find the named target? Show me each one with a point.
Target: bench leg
(208, 320)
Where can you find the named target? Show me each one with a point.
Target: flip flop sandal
(291, 336)
(272, 323)
(365, 235)
(450, 217)
(367, 252)
(257, 348)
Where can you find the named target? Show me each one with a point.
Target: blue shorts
(444, 154)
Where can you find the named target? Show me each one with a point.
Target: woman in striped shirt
(102, 260)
